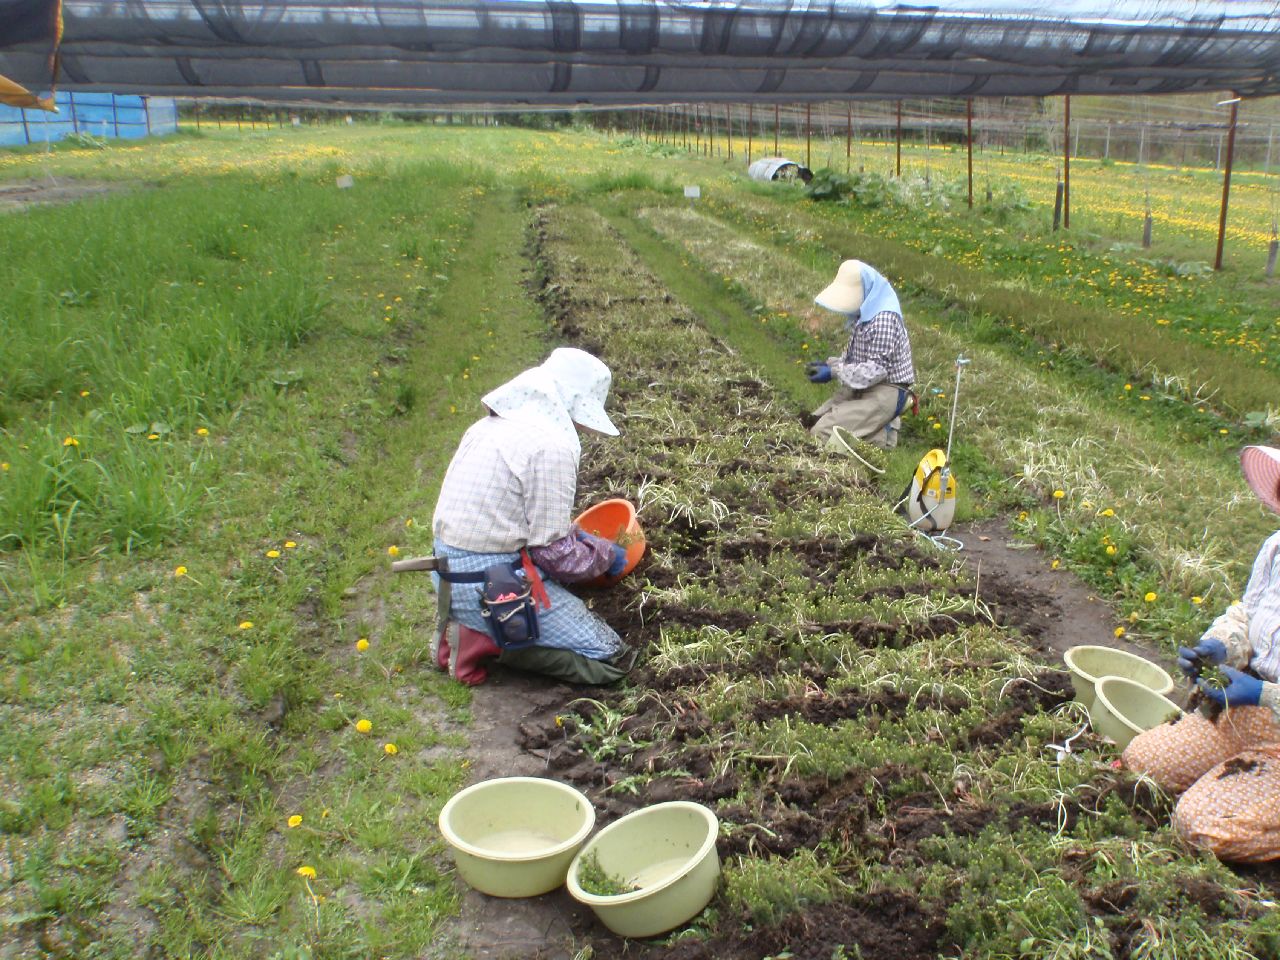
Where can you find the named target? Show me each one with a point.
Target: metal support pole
(1066, 163)
(968, 123)
(728, 128)
(1226, 182)
(808, 135)
(898, 167)
(848, 134)
(751, 121)
(775, 129)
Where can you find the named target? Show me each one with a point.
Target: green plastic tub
(1125, 708)
(515, 836)
(1089, 664)
(666, 859)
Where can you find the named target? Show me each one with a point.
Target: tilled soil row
(731, 489)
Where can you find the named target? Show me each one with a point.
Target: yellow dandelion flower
(246, 624)
(409, 522)
(153, 436)
(4, 468)
(362, 644)
(202, 432)
(70, 442)
(180, 571)
(1223, 430)
(1197, 600)
(1055, 564)
(1059, 494)
(273, 554)
(364, 726)
(393, 551)
(307, 872)
(1111, 550)
(1119, 631)
(1150, 597)
(295, 821)
(290, 544)
(390, 749)
(84, 393)
(1128, 386)
(1107, 513)
(1022, 515)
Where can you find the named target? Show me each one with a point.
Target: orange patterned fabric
(1230, 772)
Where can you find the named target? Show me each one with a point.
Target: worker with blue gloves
(1229, 766)
(874, 375)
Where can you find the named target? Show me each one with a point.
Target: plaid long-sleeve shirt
(879, 351)
(508, 486)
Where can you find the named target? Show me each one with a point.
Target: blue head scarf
(877, 296)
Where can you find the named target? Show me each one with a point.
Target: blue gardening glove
(619, 562)
(1242, 690)
(1191, 660)
(818, 372)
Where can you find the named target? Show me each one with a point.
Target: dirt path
(21, 194)
(1054, 609)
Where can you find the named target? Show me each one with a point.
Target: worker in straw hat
(1229, 766)
(507, 501)
(874, 374)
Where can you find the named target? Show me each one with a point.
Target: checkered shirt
(879, 351)
(508, 486)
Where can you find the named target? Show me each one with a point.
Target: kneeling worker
(875, 373)
(506, 502)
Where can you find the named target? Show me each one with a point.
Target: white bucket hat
(583, 381)
(844, 293)
(1261, 467)
(533, 399)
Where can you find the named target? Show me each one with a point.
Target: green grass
(204, 688)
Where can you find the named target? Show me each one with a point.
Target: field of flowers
(234, 405)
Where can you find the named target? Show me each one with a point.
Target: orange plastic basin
(611, 519)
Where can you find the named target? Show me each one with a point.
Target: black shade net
(582, 51)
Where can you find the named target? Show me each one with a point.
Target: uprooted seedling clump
(594, 879)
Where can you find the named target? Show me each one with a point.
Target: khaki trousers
(867, 414)
(1230, 772)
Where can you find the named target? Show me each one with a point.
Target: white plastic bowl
(515, 836)
(1089, 664)
(1126, 708)
(667, 852)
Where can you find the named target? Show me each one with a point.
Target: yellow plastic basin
(515, 836)
(667, 854)
(611, 519)
(1088, 664)
(1125, 708)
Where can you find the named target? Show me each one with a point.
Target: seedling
(593, 879)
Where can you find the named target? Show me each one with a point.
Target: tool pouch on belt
(508, 607)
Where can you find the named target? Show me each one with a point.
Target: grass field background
(232, 389)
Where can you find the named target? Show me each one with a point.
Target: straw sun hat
(844, 293)
(1261, 467)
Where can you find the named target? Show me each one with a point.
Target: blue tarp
(99, 114)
